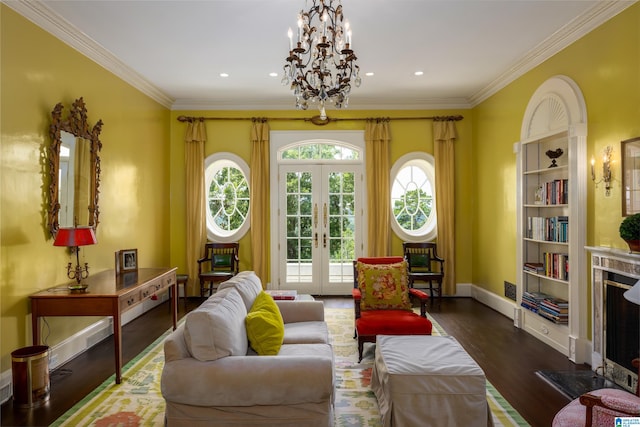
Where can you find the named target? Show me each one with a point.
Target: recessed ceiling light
(369, 74)
(224, 75)
(273, 74)
(418, 73)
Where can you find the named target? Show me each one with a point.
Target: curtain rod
(318, 121)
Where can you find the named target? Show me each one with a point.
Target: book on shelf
(547, 306)
(554, 192)
(531, 300)
(549, 229)
(534, 267)
(562, 319)
(556, 265)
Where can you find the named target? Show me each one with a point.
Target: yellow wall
(605, 64)
(142, 186)
(407, 136)
(38, 71)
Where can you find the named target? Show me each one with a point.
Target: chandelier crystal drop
(321, 66)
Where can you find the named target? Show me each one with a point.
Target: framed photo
(128, 260)
(630, 176)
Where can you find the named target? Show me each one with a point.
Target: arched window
(227, 197)
(413, 205)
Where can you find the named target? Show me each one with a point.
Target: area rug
(137, 401)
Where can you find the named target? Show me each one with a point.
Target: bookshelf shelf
(545, 170)
(534, 206)
(545, 277)
(551, 219)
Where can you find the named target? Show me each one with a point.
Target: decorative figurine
(553, 155)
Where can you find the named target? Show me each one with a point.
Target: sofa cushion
(265, 328)
(247, 284)
(306, 333)
(216, 329)
(383, 286)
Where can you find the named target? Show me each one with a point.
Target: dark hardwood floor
(508, 356)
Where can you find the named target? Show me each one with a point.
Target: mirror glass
(74, 176)
(74, 164)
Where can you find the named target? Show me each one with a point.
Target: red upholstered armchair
(598, 408)
(382, 300)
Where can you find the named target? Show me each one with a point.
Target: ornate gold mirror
(74, 169)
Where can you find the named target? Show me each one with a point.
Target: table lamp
(74, 237)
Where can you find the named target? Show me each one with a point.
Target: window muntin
(413, 197)
(320, 151)
(227, 197)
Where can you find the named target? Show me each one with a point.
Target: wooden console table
(107, 295)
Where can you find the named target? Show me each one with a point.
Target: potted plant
(630, 232)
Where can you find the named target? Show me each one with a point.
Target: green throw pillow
(383, 286)
(265, 327)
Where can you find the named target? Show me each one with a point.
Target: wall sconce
(606, 170)
(74, 238)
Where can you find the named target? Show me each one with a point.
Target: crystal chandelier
(321, 65)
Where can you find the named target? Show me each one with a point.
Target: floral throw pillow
(383, 286)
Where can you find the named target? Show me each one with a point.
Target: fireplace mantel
(605, 260)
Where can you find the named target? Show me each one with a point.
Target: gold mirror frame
(76, 124)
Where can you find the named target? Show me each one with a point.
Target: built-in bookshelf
(545, 185)
(551, 260)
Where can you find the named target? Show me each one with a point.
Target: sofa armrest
(248, 380)
(301, 311)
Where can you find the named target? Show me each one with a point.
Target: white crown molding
(600, 13)
(40, 14)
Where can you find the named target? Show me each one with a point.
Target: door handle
(315, 215)
(315, 239)
(324, 240)
(325, 215)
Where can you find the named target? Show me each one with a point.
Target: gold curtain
(260, 193)
(377, 140)
(444, 135)
(195, 137)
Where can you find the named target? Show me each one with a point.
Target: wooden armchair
(424, 265)
(382, 301)
(220, 263)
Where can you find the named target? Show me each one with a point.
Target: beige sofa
(212, 377)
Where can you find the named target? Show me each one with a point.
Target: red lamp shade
(79, 236)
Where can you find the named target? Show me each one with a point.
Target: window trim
(426, 162)
(227, 159)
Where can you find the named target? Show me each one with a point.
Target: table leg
(35, 326)
(117, 343)
(174, 304)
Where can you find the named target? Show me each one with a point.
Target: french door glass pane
(341, 226)
(299, 227)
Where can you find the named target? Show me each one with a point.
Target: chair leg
(360, 349)
(201, 288)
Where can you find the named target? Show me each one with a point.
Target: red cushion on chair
(392, 322)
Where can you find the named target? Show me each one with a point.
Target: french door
(319, 222)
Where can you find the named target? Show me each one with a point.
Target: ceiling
(175, 50)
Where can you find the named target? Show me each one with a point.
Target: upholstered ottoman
(428, 381)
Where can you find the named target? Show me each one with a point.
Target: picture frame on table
(126, 261)
(630, 149)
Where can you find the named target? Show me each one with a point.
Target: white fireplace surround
(603, 261)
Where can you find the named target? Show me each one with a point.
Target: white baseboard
(501, 305)
(80, 342)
